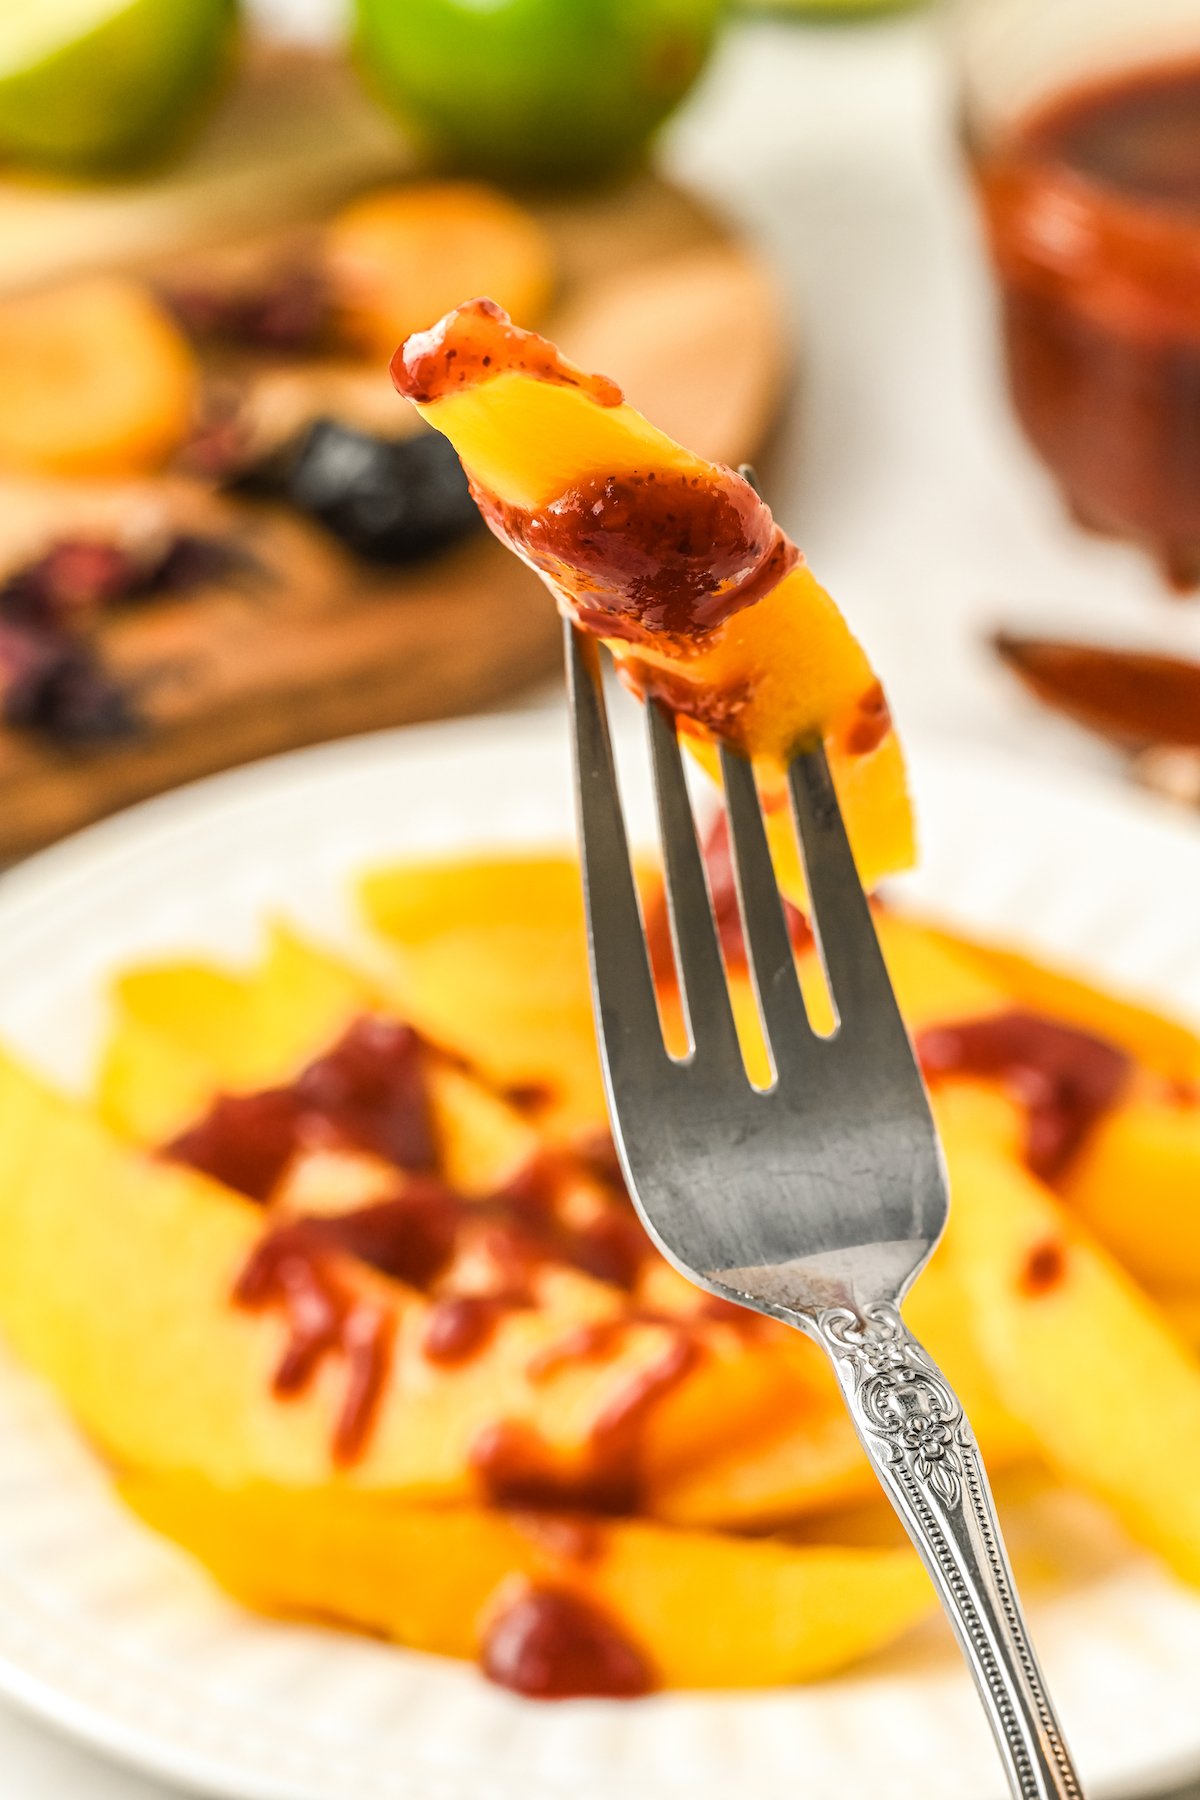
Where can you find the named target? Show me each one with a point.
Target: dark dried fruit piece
(78, 577)
(288, 309)
(390, 501)
(57, 686)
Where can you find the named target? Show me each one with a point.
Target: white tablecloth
(898, 466)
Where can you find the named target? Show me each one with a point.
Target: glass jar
(1083, 125)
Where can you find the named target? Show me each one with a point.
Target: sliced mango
(787, 662)
(1162, 1044)
(493, 961)
(705, 1611)
(1081, 1355)
(183, 1031)
(1136, 1183)
(108, 1252)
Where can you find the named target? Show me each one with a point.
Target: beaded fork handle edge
(927, 1460)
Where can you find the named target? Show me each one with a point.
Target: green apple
(546, 89)
(88, 84)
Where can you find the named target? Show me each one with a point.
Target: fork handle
(925, 1454)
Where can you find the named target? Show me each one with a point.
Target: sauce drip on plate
(1067, 1078)
(549, 1644)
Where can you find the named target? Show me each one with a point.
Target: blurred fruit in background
(96, 378)
(552, 90)
(93, 84)
(401, 257)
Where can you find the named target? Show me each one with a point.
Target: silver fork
(816, 1201)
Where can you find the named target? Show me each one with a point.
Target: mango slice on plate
(492, 959)
(1081, 1355)
(108, 1251)
(182, 1030)
(704, 1611)
(1136, 1184)
(1162, 1044)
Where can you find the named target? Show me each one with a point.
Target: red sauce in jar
(549, 1644)
(1067, 1078)
(1093, 209)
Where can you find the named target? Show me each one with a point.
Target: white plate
(110, 1634)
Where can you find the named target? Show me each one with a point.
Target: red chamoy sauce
(244, 1141)
(549, 1644)
(870, 722)
(460, 1326)
(477, 342)
(368, 1091)
(1093, 209)
(290, 1268)
(652, 556)
(516, 1467)
(1066, 1078)
(1045, 1269)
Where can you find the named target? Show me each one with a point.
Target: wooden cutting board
(655, 290)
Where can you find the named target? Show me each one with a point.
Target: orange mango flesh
(774, 1470)
(485, 1141)
(705, 1611)
(399, 1541)
(527, 442)
(1084, 1358)
(152, 1259)
(1135, 1183)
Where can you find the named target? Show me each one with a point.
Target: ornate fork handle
(928, 1462)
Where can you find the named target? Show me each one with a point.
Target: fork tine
(859, 984)
(702, 983)
(772, 960)
(626, 1010)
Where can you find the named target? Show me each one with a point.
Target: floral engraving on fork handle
(922, 1438)
(902, 1399)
